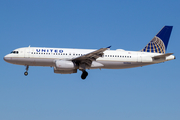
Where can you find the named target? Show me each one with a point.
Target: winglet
(109, 47)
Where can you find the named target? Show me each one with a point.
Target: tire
(84, 75)
(25, 73)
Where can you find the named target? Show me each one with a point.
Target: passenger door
(27, 52)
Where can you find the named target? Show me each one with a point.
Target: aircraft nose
(6, 58)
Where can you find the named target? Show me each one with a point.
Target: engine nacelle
(69, 71)
(64, 65)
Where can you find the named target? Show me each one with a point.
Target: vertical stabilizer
(160, 42)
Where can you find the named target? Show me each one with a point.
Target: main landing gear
(26, 73)
(84, 74)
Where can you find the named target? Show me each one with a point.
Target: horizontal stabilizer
(162, 56)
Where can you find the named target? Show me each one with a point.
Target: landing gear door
(26, 52)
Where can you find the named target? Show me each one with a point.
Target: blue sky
(150, 92)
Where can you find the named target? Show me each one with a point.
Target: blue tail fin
(160, 42)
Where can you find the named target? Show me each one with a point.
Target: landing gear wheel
(84, 75)
(25, 73)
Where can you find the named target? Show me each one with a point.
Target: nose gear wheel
(26, 73)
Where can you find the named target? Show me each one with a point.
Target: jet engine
(69, 71)
(65, 67)
(62, 64)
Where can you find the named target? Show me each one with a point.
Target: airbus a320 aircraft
(67, 61)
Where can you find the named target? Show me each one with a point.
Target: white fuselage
(112, 59)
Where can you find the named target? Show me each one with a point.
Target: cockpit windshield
(14, 52)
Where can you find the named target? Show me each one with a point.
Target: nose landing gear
(26, 73)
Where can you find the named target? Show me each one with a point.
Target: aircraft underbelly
(51, 62)
(31, 61)
(121, 65)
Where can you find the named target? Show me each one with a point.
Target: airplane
(68, 61)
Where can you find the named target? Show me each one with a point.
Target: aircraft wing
(162, 56)
(91, 56)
